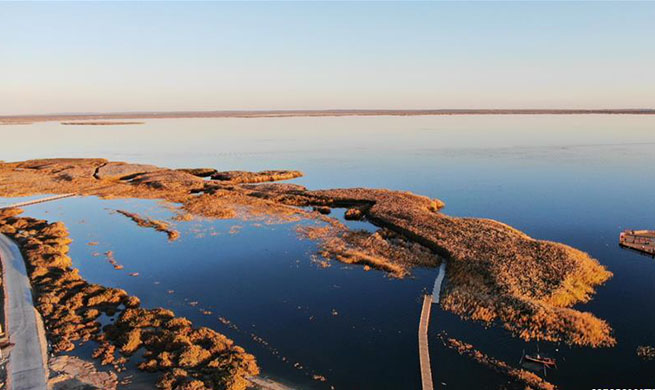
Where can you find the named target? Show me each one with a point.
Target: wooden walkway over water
(423, 351)
(424, 322)
(639, 240)
(36, 201)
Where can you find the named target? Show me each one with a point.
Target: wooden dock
(36, 201)
(639, 240)
(424, 352)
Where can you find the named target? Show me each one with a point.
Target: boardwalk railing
(35, 201)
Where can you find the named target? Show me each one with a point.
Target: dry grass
(160, 226)
(520, 379)
(238, 177)
(70, 307)
(382, 250)
(646, 352)
(495, 272)
(111, 180)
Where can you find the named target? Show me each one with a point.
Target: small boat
(639, 240)
(538, 358)
(537, 361)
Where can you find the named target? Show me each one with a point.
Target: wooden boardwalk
(424, 353)
(639, 240)
(424, 322)
(35, 201)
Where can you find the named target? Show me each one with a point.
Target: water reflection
(575, 179)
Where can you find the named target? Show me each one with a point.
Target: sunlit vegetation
(531, 301)
(160, 226)
(520, 379)
(646, 352)
(187, 357)
(383, 250)
(237, 177)
(495, 273)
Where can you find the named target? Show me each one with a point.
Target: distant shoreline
(101, 123)
(11, 119)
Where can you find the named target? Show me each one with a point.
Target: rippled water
(575, 179)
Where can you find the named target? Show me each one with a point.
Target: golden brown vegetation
(186, 356)
(646, 352)
(353, 214)
(200, 172)
(159, 226)
(237, 177)
(495, 273)
(522, 379)
(69, 372)
(122, 171)
(383, 250)
(106, 179)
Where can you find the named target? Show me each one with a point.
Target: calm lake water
(575, 179)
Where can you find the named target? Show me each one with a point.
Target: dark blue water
(575, 179)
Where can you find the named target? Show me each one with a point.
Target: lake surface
(575, 179)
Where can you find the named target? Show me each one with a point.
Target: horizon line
(261, 113)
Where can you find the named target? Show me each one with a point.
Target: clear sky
(96, 57)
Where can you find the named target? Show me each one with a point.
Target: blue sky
(81, 57)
